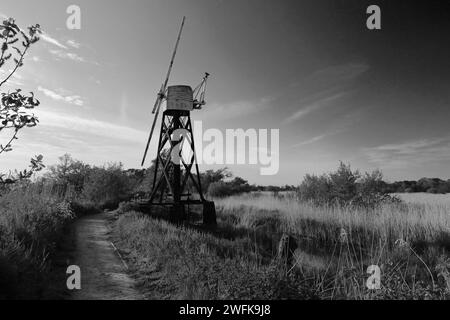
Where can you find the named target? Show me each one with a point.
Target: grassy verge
(335, 248)
(180, 263)
(33, 224)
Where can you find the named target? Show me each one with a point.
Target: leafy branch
(36, 165)
(11, 35)
(15, 106)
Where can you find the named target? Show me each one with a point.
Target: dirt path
(103, 273)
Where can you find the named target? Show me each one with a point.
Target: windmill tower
(173, 178)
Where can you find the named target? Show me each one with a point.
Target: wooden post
(286, 249)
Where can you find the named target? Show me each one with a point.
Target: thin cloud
(236, 109)
(343, 72)
(90, 140)
(46, 37)
(339, 125)
(311, 141)
(321, 137)
(71, 99)
(314, 106)
(73, 44)
(411, 153)
(90, 127)
(67, 55)
(324, 87)
(332, 76)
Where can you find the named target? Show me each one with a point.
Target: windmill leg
(176, 167)
(195, 159)
(155, 175)
(209, 208)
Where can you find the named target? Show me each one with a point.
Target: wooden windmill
(173, 175)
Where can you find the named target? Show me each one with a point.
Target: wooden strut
(176, 119)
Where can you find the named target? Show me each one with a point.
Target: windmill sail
(162, 93)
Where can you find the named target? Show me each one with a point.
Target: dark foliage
(430, 185)
(345, 187)
(220, 188)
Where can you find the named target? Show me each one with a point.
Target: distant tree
(14, 105)
(107, 186)
(343, 183)
(69, 172)
(315, 188)
(345, 187)
(221, 188)
(211, 176)
(372, 182)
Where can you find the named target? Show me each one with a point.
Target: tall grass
(181, 263)
(430, 199)
(32, 219)
(336, 244)
(409, 241)
(390, 222)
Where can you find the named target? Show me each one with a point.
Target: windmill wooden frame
(170, 186)
(173, 120)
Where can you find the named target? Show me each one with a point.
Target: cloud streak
(325, 86)
(71, 99)
(236, 109)
(47, 38)
(90, 127)
(411, 153)
(312, 140)
(73, 44)
(67, 55)
(314, 106)
(343, 72)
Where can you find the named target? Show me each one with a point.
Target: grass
(409, 242)
(426, 198)
(181, 263)
(32, 221)
(414, 223)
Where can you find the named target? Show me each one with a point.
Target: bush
(107, 186)
(90, 189)
(315, 188)
(223, 189)
(345, 187)
(128, 206)
(213, 176)
(69, 172)
(220, 189)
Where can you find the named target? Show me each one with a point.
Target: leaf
(17, 50)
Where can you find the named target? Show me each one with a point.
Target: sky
(335, 90)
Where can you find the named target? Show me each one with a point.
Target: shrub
(220, 189)
(315, 188)
(128, 206)
(213, 176)
(69, 172)
(107, 186)
(345, 187)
